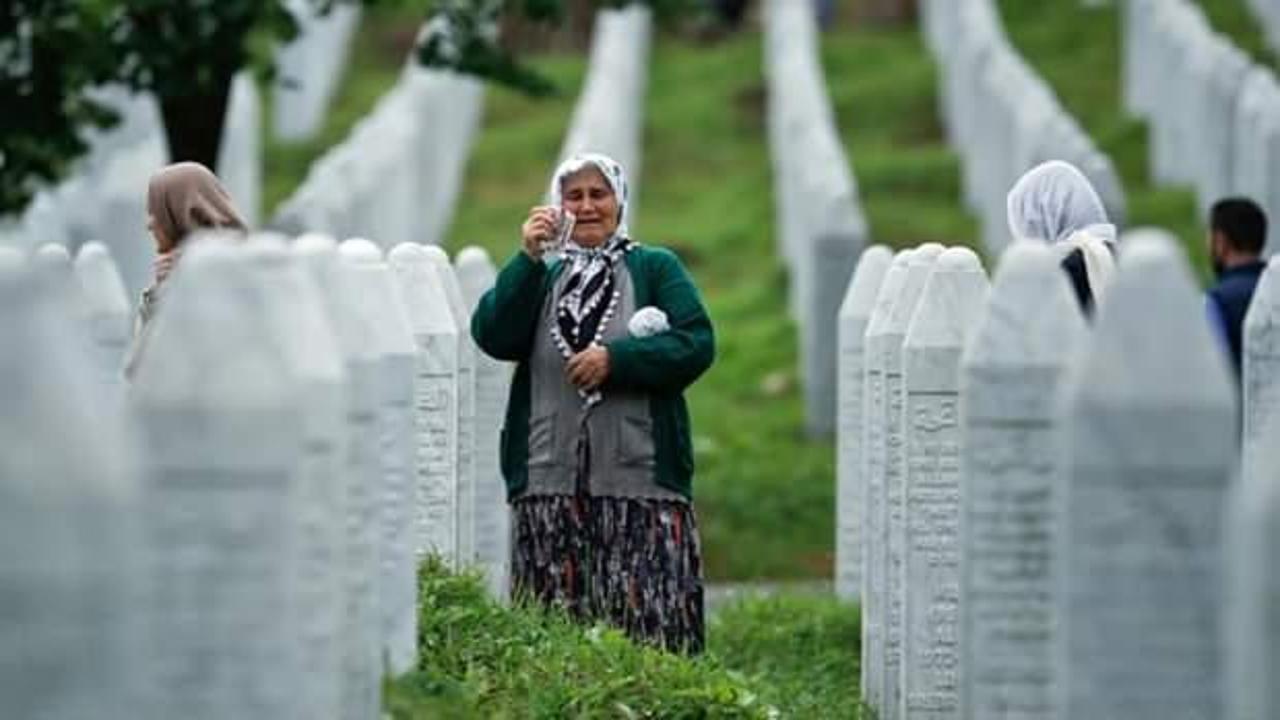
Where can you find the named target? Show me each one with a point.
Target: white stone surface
(875, 433)
(240, 152)
(383, 310)
(476, 275)
(106, 308)
(1011, 432)
(221, 418)
(893, 520)
(821, 226)
(72, 641)
(104, 198)
(465, 448)
(311, 67)
(435, 503)
(361, 474)
(950, 305)
(609, 114)
(293, 310)
(397, 176)
(1151, 417)
(1261, 377)
(1253, 596)
(855, 315)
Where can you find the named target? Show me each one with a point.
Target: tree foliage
(53, 53)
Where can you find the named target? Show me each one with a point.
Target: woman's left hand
(589, 369)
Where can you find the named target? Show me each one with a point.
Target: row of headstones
(236, 531)
(821, 226)
(105, 198)
(609, 114)
(396, 177)
(1041, 519)
(310, 67)
(1001, 116)
(1214, 113)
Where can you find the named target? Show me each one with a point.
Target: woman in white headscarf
(1055, 203)
(596, 448)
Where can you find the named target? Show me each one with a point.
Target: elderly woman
(181, 199)
(1055, 203)
(596, 448)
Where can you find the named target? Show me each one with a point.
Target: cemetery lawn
(766, 658)
(1079, 52)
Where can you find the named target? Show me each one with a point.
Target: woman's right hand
(539, 228)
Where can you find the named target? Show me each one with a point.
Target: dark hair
(1242, 223)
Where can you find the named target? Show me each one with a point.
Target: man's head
(1237, 233)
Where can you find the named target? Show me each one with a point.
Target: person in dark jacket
(596, 448)
(1237, 237)
(1055, 203)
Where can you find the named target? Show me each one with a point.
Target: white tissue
(648, 321)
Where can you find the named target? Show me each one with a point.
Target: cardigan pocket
(636, 442)
(542, 445)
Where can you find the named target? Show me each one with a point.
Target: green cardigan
(663, 365)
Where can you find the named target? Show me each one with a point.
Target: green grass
(802, 650)
(883, 86)
(794, 658)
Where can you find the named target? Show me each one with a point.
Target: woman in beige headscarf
(181, 199)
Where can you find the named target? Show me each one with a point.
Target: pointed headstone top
(377, 299)
(890, 287)
(423, 292)
(1031, 316)
(917, 273)
(951, 301)
(1151, 345)
(100, 281)
(860, 299)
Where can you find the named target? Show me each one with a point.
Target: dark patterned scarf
(590, 295)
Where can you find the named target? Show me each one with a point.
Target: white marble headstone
(874, 433)
(476, 275)
(382, 309)
(467, 353)
(221, 418)
(1152, 443)
(240, 152)
(1011, 375)
(361, 474)
(1253, 594)
(435, 493)
(950, 305)
(855, 314)
(293, 310)
(72, 641)
(1261, 376)
(106, 308)
(895, 465)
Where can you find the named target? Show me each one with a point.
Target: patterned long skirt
(635, 564)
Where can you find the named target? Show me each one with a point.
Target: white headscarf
(613, 174)
(1055, 204)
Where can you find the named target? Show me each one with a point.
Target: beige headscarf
(186, 197)
(181, 199)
